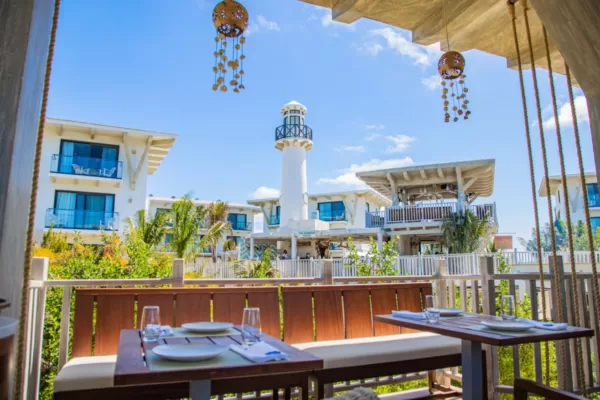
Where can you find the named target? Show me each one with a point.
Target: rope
(24, 311)
(546, 175)
(513, 18)
(579, 357)
(590, 236)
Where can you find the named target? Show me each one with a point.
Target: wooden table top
(458, 327)
(132, 369)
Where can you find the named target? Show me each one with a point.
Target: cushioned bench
(333, 322)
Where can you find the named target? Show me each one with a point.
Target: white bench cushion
(381, 349)
(83, 373)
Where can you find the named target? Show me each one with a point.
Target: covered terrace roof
(434, 181)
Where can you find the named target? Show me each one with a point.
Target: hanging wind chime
(230, 19)
(451, 68)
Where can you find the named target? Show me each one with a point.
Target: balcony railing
(426, 213)
(82, 219)
(274, 220)
(293, 131)
(333, 218)
(593, 200)
(86, 166)
(241, 226)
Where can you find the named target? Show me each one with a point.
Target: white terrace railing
(429, 212)
(472, 292)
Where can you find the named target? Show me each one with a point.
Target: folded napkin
(551, 326)
(409, 314)
(166, 330)
(259, 352)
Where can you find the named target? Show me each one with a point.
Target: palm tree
(462, 231)
(217, 215)
(150, 229)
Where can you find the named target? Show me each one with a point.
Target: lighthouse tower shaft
(293, 139)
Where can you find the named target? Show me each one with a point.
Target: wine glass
(150, 323)
(251, 329)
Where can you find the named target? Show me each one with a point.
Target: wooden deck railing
(473, 292)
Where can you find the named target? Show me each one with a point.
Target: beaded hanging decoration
(451, 68)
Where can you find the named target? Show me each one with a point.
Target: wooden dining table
(473, 335)
(137, 365)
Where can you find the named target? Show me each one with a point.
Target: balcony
(593, 200)
(426, 213)
(274, 220)
(86, 166)
(82, 219)
(340, 217)
(295, 131)
(241, 226)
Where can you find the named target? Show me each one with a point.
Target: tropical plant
(217, 215)
(229, 245)
(580, 240)
(150, 229)
(262, 269)
(377, 262)
(462, 231)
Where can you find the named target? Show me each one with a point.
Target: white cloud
(326, 20)
(400, 143)
(265, 192)
(433, 82)
(348, 176)
(374, 127)
(423, 55)
(370, 48)
(262, 24)
(372, 137)
(565, 117)
(352, 149)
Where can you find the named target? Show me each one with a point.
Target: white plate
(449, 312)
(507, 326)
(188, 352)
(207, 327)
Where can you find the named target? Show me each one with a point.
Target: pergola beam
(347, 11)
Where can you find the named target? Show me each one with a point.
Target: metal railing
(374, 219)
(427, 213)
(293, 131)
(82, 219)
(241, 226)
(340, 217)
(86, 166)
(274, 220)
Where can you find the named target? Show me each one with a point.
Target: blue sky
(371, 95)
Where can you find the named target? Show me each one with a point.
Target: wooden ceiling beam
(347, 11)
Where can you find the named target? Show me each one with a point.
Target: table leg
(200, 390)
(472, 372)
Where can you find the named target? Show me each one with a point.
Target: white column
(293, 184)
(294, 247)
(460, 193)
(380, 240)
(251, 248)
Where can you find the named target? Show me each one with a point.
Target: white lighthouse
(293, 139)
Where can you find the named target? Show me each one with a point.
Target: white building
(241, 218)
(407, 202)
(575, 193)
(93, 177)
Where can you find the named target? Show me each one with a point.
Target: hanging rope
(590, 236)
(21, 343)
(513, 18)
(579, 354)
(558, 295)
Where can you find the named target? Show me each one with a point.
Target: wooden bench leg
(275, 394)
(304, 389)
(287, 393)
(431, 381)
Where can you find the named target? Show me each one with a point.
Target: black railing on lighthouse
(292, 131)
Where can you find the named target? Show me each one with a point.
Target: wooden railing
(473, 292)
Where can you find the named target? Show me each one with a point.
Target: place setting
(432, 313)
(204, 344)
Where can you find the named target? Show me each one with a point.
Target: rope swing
(24, 310)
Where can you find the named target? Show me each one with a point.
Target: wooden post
(561, 345)
(35, 334)
(178, 272)
(65, 321)
(441, 290)
(488, 287)
(327, 272)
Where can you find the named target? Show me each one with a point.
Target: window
(593, 196)
(368, 207)
(278, 211)
(332, 211)
(595, 223)
(237, 221)
(88, 159)
(292, 120)
(79, 210)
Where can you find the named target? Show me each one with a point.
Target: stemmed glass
(150, 323)
(251, 329)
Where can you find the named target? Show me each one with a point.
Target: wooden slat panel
(229, 307)
(329, 318)
(192, 307)
(357, 312)
(163, 301)
(297, 316)
(269, 310)
(83, 325)
(383, 301)
(113, 314)
(412, 299)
